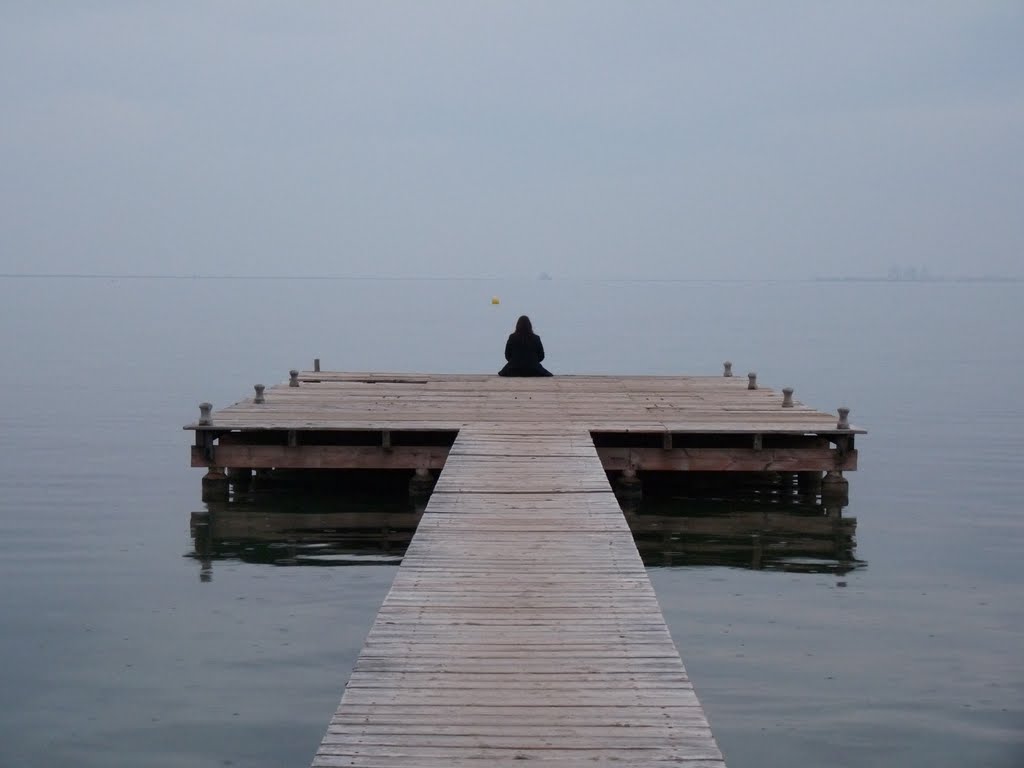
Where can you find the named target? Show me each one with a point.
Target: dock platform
(521, 624)
(503, 639)
(327, 420)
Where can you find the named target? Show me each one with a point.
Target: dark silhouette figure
(524, 351)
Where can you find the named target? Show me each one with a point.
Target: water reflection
(303, 530)
(757, 532)
(760, 533)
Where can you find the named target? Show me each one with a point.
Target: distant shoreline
(924, 280)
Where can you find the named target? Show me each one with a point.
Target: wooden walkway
(520, 626)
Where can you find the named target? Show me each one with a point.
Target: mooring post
(293, 378)
(259, 393)
(728, 369)
(844, 418)
(751, 380)
(205, 419)
(421, 483)
(787, 397)
(316, 364)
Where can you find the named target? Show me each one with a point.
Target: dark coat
(524, 355)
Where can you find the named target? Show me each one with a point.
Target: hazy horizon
(588, 140)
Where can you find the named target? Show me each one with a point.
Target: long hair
(524, 327)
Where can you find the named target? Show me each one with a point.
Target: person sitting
(524, 352)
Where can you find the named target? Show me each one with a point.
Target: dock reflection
(303, 531)
(295, 530)
(753, 533)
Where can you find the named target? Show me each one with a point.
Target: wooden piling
(215, 485)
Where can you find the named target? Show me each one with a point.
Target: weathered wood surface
(674, 404)
(434, 457)
(728, 459)
(323, 457)
(520, 626)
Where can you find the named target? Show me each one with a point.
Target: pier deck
(409, 421)
(521, 624)
(503, 639)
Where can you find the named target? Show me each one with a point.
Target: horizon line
(489, 278)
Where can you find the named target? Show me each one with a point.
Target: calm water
(117, 653)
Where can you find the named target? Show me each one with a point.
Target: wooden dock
(521, 624)
(323, 420)
(504, 639)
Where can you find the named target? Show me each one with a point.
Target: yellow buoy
(495, 300)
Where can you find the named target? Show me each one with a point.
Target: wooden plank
(683, 404)
(503, 639)
(728, 459)
(513, 760)
(323, 457)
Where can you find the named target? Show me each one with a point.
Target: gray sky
(585, 139)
